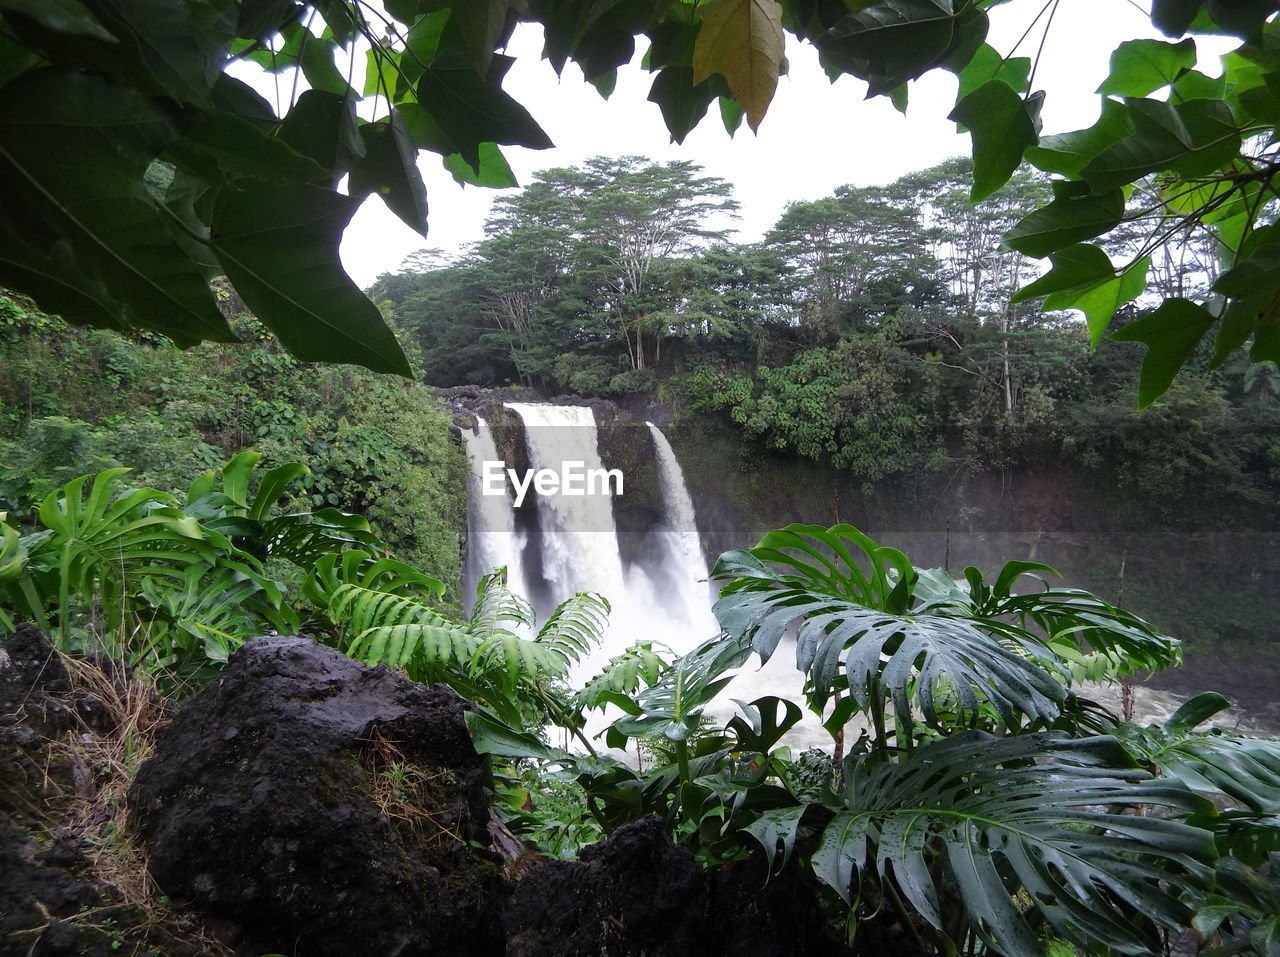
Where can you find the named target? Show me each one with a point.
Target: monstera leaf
(1031, 823)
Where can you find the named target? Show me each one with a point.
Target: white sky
(817, 135)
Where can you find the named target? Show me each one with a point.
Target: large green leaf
(1190, 138)
(389, 168)
(62, 16)
(866, 634)
(481, 23)
(1140, 67)
(683, 103)
(1100, 301)
(1074, 268)
(1003, 125)
(279, 246)
(73, 151)
(1032, 823)
(214, 610)
(1171, 334)
(469, 109)
(322, 127)
(1069, 153)
(987, 64)
(1076, 214)
(172, 49)
(493, 172)
(1243, 768)
(895, 40)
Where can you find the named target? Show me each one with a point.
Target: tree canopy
(134, 166)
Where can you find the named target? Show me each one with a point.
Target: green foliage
(379, 619)
(81, 400)
(142, 205)
(985, 807)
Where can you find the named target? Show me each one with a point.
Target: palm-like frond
(397, 630)
(357, 567)
(222, 502)
(217, 608)
(1030, 821)
(869, 622)
(496, 603)
(576, 626)
(637, 666)
(108, 540)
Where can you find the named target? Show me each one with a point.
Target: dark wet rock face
(638, 895)
(325, 807)
(635, 893)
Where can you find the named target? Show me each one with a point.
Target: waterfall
(578, 538)
(686, 566)
(658, 593)
(492, 537)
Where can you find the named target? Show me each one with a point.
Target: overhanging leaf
(389, 168)
(1069, 153)
(73, 151)
(1171, 334)
(493, 170)
(1002, 125)
(286, 266)
(469, 110)
(1076, 267)
(1074, 215)
(895, 40)
(1140, 67)
(63, 16)
(987, 64)
(741, 40)
(1100, 301)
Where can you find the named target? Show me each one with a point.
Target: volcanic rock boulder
(635, 893)
(638, 895)
(325, 807)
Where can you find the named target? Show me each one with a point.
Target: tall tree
(842, 247)
(613, 223)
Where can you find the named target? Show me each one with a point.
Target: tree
(613, 223)
(840, 249)
(134, 167)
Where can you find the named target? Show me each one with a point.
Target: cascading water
(686, 565)
(492, 537)
(579, 540)
(663, 598)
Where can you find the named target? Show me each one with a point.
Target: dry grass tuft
(105, 755)
(408, 794)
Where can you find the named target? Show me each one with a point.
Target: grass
(103, 758)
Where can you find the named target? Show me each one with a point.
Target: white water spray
(492, 537)
(682, 550)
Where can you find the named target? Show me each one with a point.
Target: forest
(255, 697)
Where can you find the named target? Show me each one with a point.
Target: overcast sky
(817, 135)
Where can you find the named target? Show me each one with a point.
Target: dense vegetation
(876, 330)
(74, 401)
(186, 172)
